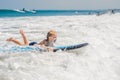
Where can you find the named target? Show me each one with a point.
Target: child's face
(52, 37)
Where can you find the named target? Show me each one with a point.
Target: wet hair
(50, 33)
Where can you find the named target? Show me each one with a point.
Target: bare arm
(43, 44)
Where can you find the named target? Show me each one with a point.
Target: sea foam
(100, 60)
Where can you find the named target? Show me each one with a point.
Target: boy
(47, 43)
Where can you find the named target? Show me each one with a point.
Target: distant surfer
(47, 43)
(33, 9)
(89, 13)
(112, 11)
(98, 13)
(23, 9)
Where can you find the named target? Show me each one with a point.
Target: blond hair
(51, 32)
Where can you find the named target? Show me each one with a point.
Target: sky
(60, 4)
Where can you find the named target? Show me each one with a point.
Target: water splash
(99, 60)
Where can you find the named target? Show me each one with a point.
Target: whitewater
(100, 60)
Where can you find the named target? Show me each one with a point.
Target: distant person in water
(98, 13)
(112, 11)
(47, 43)
(23, 9)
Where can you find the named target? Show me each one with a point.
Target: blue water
(18, 13)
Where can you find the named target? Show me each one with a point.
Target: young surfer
(47, 43)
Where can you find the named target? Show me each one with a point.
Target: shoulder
(43, 41)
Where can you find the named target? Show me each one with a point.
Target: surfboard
(36, 48)
(70, 47)
(20, 49)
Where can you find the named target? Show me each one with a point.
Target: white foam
(21, 11)
(98, 61)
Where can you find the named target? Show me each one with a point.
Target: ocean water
(100, 60)
(25, 12)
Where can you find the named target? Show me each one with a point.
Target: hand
(50, 49)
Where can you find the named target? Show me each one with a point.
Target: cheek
(50, 38)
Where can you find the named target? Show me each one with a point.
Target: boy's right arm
(42, 43)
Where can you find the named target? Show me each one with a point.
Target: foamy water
(100, 60)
